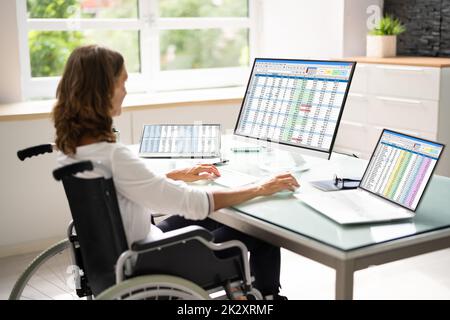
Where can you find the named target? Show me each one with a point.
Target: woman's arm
(227, 198)
(135, 181)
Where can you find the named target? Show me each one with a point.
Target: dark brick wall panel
(427, 23)
(445, 29)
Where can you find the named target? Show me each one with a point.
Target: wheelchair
(181, 264)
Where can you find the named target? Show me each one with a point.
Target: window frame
(149, 24)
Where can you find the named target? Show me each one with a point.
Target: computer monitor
(295, 104)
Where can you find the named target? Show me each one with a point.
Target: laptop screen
(401, 167)
(180, 141)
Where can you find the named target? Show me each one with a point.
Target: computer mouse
(284, 193)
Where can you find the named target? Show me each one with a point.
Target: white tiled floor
(51, 281)
(10, 269)
(422, 277)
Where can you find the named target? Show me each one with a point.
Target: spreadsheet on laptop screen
(295, 102)
(180, 140)
(401, 167)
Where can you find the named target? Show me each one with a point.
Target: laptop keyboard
(354, 206)
(364, 203)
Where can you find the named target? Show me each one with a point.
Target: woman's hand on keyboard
(278, 183)
(199, 172)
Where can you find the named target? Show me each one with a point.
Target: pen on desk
(245, 150)
(220, 162)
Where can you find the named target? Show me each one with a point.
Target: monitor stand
(276, 161)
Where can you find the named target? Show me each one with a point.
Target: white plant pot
(381, 46)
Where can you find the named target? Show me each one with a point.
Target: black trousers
(265, 259)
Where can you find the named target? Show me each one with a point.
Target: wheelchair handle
(72, 169)
(35, 151)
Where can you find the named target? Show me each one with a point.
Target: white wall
(316, 29)
(355, 26)
(302, 28)
(32, 205)
(10, 84)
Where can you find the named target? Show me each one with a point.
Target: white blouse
(140, 191)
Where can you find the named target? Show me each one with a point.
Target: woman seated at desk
(90, 93)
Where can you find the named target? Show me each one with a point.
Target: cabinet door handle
(354, 124)
(401, 68)
(389, 99)
(357, 95)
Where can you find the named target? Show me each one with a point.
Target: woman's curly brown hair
(83, 107)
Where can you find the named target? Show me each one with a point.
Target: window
(167, 44)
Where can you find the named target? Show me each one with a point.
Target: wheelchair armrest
(172, 237)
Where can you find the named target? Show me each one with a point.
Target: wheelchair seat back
(96, 215)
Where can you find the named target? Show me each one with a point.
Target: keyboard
(354, 206)
(231, 178)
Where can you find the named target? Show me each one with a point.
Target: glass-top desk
(287, 222)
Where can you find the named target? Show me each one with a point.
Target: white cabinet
(403, 81)
(409, 99)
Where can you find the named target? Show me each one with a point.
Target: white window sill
(32, 109)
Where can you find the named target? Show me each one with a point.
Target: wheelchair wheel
(155, 287)
(48, 277)
(254, 294)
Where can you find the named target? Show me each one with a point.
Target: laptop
(180, 141)
(392, 186)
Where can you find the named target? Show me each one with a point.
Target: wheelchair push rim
(42, 286)
(155, 287)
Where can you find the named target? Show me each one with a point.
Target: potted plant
(382, 40)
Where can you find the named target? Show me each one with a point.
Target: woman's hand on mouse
(278, 183)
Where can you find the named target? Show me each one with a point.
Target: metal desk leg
(344, 281)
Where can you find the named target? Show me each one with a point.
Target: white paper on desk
(392, 231)
(233, 179)
(280, 169)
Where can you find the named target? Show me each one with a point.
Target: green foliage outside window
(179, 49)
(212, 48)
(51, 8)
(203, 8)
(49, 50)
